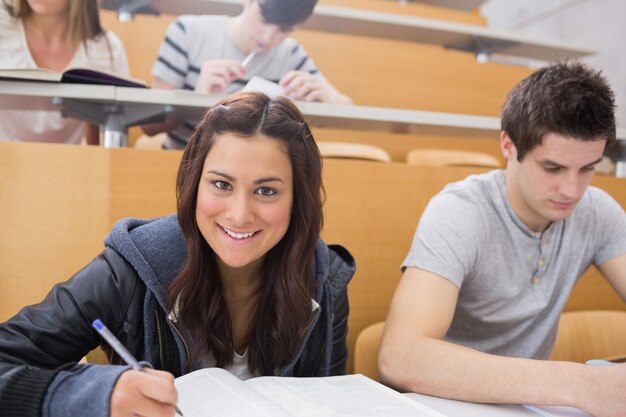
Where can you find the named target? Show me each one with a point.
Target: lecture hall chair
(151, 142)
(349, 150)
(451, 157)
(591, 334)
(366, 350)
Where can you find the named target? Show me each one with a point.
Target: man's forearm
(443, 369)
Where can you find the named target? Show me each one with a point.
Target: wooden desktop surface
(125, 102)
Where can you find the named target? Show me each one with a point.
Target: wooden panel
(142, 183)
(141, 37)
(386, 73)
(53, 199)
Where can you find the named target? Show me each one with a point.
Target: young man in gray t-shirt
(495, 257)
(219, 54)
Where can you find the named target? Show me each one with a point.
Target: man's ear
(507, 147)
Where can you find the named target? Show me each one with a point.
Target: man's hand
(216, 75)
(604, 389)
(301, 85)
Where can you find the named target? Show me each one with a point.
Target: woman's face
(49, 7)
(245, 196)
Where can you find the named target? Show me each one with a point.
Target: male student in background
(219, 54)
(496, 255)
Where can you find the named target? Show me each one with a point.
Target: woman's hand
(147, 393)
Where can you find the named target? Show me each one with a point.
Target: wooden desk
(337, 116)
(117, 108)
(466, 5)
(348, 20)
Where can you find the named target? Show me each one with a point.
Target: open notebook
(72, 75)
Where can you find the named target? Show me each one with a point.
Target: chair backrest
(151, 142)
(353, 151)
(366, 350)
(452, 157)
(591, 334)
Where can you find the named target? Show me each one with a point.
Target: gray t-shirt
(191, 40)
(513, 282)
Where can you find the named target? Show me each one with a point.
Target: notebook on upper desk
(267, 87)
(72, 75)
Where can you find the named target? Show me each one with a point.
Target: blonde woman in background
(57, 35)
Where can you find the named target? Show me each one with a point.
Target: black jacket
(125, 288)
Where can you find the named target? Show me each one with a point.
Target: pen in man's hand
(247, 59)
(120, 349)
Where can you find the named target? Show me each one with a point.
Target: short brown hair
(567, 98)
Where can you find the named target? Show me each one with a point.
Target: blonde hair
(83, 20)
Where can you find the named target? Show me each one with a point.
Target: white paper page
(345, 396)
(554, 411)
(269, 88)
(214, 392)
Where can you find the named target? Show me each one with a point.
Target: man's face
(548, 183)
(257, 34)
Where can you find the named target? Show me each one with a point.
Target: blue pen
(120, 349)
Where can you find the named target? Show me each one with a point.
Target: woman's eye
(266, 191)
(222, 185)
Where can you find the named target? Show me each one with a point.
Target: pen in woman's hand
(120, 349)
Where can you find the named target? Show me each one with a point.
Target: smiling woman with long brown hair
(238, 280)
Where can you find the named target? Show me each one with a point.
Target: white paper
(556, 411)
(339, 396)
(215, 392)
(269, 88)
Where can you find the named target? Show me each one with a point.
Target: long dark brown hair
(284, 305)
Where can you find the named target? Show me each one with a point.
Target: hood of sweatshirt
(156, 250)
